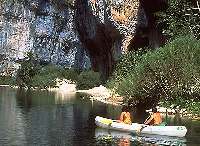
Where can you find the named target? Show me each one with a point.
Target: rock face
(98, 38)
(43, 27)
(148, 34)
(103, 27)
(108, 28)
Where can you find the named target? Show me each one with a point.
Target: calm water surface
(42, 118)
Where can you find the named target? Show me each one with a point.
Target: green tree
(181, 18)
(88, 79)
(46, 76)
(166, 73)
(27, 71)
(70, 74)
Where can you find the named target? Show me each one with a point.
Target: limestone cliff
(110, 27)
(106, 29)
(42, 26)
(148, 33)
(102, 40)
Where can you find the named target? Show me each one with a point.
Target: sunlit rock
(121, 13)
(42, 27)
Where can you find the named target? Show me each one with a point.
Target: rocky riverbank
(106, 96)
(103, 94)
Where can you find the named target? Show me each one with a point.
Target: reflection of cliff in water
(44, 120)
(84, 113)
(24, 99)
(12, 122)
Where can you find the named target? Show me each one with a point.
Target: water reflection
(50, 118)
(127, 139)
(12, 131)
(64, 97)
(46, 118)
(124, 142)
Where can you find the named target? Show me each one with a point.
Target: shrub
(182, 17)
(46, 77)
(70, 74)
(169, 72)
(31, 74)
(88, 79)
(192, 105)
(7, 80)
(124, 67)
(27, 71)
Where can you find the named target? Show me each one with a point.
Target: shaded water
(46, 118)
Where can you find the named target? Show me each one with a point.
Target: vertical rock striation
(148, 33)
(43, 27)
(100, 39)
(105, 28)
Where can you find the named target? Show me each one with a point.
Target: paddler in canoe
(154, 119)
(125, 116)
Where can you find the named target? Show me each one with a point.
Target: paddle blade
(106, 121)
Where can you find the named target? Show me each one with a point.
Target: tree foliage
(27, 71)
(70, 74)
(88, 80)
(190, 105)
(7, 80)
(181, 18)
(166, 73)
(46, 77)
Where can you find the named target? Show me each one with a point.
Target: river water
(43, 118)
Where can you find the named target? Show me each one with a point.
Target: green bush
(88, 79)
(31, 74)
(27, 71)
(124, 67)
(181, 18)
(46, 77)
(192, 105)
(70, 74)
(7, 80)
(169, 72)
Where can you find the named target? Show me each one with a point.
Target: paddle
(142, 127)
(147, 118)
(138, 132)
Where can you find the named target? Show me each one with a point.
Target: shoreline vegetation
(167, 77)
(164, 71)
(105, 95)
